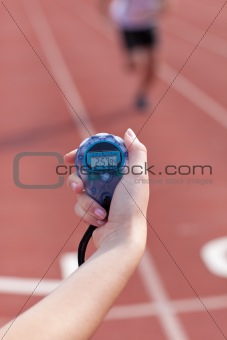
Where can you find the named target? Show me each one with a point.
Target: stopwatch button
(105, 177)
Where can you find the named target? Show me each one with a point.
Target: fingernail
(73, 186)
(100, 213)
(101, 222)
(131, 133)
(69, 153)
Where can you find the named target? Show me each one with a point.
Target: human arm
(76, 308)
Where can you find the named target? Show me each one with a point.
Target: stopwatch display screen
(103, 159)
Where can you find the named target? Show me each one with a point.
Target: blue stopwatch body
(101, 161)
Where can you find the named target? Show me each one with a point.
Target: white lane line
(157, 292)
(58, 67)
(193, 305)
(181, 85)
(133, 311)
(214, 255)
(68, 264)
(178, 306)
(191, 34)
(26, 286)
(193, 93)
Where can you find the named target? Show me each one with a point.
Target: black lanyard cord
(88, 234)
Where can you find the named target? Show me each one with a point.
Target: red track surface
(37, 224)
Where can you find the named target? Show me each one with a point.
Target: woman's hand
(127, 216)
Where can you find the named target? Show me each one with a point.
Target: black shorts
(133, 39)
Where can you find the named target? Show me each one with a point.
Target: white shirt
(133, 14)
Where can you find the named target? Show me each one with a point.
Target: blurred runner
(137, 22)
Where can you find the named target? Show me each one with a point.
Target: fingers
(75, 183)
(86, 208)
(90, 211)
(70, 157)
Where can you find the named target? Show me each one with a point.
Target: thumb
(131, 192)
(137, 152)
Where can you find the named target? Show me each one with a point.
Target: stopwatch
(101, 161)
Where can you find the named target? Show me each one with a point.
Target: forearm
(76, 308)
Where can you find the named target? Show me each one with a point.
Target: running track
(58, 59)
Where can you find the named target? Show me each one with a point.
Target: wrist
(131, 235)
